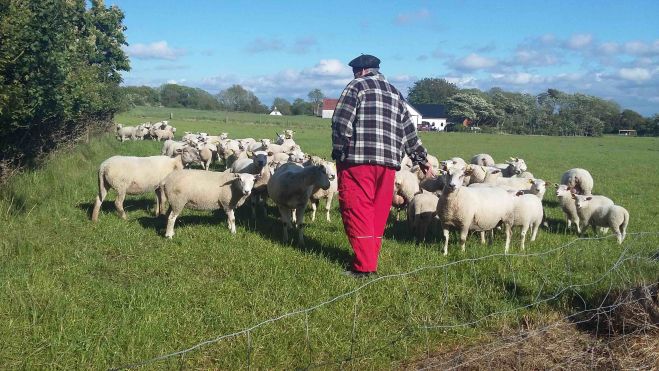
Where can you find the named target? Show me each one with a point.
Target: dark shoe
(356, 274)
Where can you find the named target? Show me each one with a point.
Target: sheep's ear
(531, 181)
(588, 198)
(495, 171)
(250, 153)
(574, 196)
(519, 193)
(271, 153)
(555, 185)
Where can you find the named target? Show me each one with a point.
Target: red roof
(329, 104)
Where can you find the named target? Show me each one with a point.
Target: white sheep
(591, 205)
(514, 166)
(290, 187)
(475, 209)
(204, 190)
(202, 154)
(528, 213)
(261, 145)
(578, 179)
(125, 132)
(598, 214)
(406, 185)
(482, 159)
(326, 194)
(421, 213)
(132, 175)
(568, 205)
(170, 147)
(163, 134)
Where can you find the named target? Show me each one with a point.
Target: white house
(430, 116)
(329, 105)
(275, 112)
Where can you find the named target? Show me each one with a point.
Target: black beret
(365, 61)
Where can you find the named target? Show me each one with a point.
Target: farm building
(275, 112)
(424, 116)
(329, 105)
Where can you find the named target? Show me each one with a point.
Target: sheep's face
(563, 191)
(330, 171)
(538, 186)
(518, 164)
(189, 155)
(455, 178)
(245, 183)
(323, 180)
(581, 201)
(224, 136)
(280, 139)
(265, 142)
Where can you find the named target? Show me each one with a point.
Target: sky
(285, 49)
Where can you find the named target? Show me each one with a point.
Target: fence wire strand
(426, 328)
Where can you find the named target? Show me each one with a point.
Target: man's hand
(337, 155)
(427, 170)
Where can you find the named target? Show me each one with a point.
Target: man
(371, 128)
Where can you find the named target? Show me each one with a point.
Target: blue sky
(287, 48)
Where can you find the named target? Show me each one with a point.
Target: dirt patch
(621, 333)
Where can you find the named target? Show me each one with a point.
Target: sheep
(327, 194)
(204, 190)
(433, 162)
(512, 167)
(132, 175)
(288, 134)
(569, 207)
(140, 132)
(578, 179)
(201, 154)
(591, 204)
(406, 185)
(261, 145)
(421, 212)
(245, 142)
(252, 165)
(125, 132)
(169, 147)
(406, 163)
(290, 187)
(163, 134)
(476, 209)
(601, 215)
(482, 159)
(528, 213)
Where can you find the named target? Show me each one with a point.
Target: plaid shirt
(371, 124)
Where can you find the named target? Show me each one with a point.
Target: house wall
(440, 124)
(327, 113)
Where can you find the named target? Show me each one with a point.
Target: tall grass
(80, 295)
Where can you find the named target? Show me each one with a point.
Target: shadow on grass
(550, 203)
(270, 227)
(129, 205)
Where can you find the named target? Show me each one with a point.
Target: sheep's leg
(293, 217)
(525, 228)
(119, 204)
(446, 234)
(482, 237)
(463, 238)
(328, 206)
(535, 231)
(286, 221)
(508, 234)
(231, 220)
(171, 220)
(102, 193)
(300, 225)
(313, 210)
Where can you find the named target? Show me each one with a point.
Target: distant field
(81, 295)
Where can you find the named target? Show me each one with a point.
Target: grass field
(81, 295)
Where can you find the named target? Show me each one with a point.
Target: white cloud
(155, 50)
(609, 48)
(579, 41)
(474, 62)
(407, 18)
(330, 67)
(635, 74)
(641, 48)
(264, 45)
(518, 78)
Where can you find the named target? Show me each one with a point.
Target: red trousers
(365, 193)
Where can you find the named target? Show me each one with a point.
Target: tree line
(552, 112)
(235, 98)
(60, 64)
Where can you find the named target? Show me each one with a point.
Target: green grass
(80, 295)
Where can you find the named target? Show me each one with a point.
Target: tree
(59, 74)
(301, 107)
(237, 98)
(141, 95)
(631, 120)
(282, 105)
(316, 98)
(467, 105)
(431, 91)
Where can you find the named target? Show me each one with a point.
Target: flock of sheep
(479, 196)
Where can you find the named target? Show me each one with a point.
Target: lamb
(163, 134)
(568, 205)
(252, 165)
(406, 185)
(599, 214)
(132, 175)
(170, 147)
(245, 142)
(482, 159)
(528, 213)
(201, 154)
(421, 212)
(476, 209)
(512, 167)
(593, 204)
(125, 132)
(290, 187)
(327, 194)
(204, 190)
(261, 145)
(288, 134)
(578, 179)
